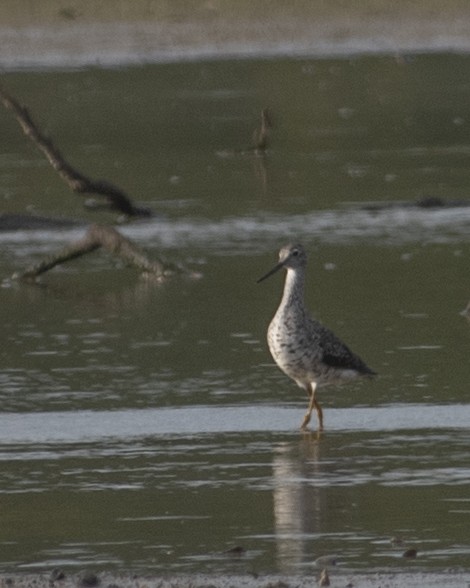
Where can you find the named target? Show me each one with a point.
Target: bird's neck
(294, 288)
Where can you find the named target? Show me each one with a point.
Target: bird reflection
(299, 503)
(466, 312)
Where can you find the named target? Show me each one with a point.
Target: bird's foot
(305, 428)
(305, 422)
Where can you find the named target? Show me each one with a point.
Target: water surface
(144, 425)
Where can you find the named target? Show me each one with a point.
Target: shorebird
(302, 347)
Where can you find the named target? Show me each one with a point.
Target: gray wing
(337, 354)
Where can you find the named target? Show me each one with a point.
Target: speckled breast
(293, 350)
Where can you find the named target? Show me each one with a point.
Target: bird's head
(290, 257)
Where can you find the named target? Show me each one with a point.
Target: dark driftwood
(11, 221)
(116, 198)
(102, 236)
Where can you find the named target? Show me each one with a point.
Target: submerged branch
(117, 199)
(261, 134)
(108, 238)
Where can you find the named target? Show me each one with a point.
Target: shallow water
(145, 425)
(105, 488)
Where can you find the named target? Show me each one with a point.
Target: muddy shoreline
(60, 579)
(106, 35)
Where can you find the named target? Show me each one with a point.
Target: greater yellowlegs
(303, 348)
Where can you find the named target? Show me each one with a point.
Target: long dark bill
(271, 272)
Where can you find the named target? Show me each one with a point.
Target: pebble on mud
(410, 553)
(56, 575)
(89, 580)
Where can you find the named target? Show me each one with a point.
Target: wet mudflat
(144, 426)
(403, 580)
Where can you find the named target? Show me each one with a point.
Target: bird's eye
(295, 252)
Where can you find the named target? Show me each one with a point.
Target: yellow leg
(313, 404)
